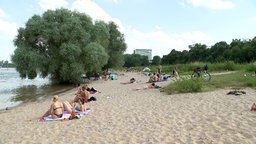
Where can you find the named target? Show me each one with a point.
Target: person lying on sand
(132, 80)
(150, 86)
(56, 110)
(253, 108)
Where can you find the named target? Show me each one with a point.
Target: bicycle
(197, 73)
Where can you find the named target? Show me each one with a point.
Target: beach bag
(92, 99)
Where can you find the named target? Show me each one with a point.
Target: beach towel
(66, 115)
(93, 92)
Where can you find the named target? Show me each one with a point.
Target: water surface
(14, 90)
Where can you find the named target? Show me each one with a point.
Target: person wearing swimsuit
(56, 110)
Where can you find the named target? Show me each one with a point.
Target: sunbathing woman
(56, 110)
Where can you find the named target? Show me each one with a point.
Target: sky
(160, 25)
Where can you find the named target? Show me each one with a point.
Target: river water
(14, 90)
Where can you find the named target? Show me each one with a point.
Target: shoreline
(123, 115)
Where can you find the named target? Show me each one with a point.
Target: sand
(125, 116)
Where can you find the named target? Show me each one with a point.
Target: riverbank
(124, 115)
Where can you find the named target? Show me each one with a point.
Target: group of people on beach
(155, 77)
(82, 95)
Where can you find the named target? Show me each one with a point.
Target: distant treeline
(6, 64)
(238, 51)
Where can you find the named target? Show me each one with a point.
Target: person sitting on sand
(56, 110)
(150, 86)
(153, 78)
(79, 106)
(92, 90)
(79, 89)
(84, 94)
(253, 108)
(159, 77)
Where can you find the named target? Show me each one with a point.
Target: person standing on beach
(56, 110)
(159, 70)
(175, 73)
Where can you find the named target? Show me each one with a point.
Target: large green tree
(65, 44)
(116, 47)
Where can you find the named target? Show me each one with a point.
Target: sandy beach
(126, 116)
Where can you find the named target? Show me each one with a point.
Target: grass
(241, 77)
(235, 80)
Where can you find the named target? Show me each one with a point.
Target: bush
(184, 86)
(251, 67)
(229, 65)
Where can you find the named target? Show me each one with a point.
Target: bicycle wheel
(206, 76)
(194, 75)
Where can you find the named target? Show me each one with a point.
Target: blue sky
(160, 25)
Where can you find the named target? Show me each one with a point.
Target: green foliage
(116, 47)
(229, 65)
(237, 51)
(134, 60)
(96, 57)
(184, 86)
(156, 60)
(251, 67)
(65, 45)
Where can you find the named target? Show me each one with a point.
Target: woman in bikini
(56, 110)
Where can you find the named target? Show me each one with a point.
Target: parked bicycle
(201, 73)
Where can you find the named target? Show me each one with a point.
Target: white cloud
(8, 31)
(52, 4)
(157, 27)
(162, 43)
(212, 4)
(3, 14)
(96, 12)
(115, 1)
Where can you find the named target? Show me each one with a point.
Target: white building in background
(144, 52)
